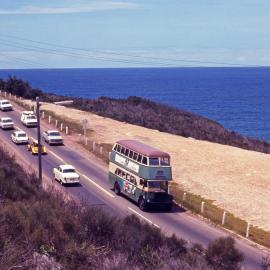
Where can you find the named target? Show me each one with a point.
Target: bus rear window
(153, 161)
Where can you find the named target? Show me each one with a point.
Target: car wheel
(142, 204)
(117, 189)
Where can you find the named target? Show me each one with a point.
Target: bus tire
(117, 189)
(142, 204)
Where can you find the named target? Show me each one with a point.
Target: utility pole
(39, 141)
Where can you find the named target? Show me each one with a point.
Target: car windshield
(7, 121)
(69, 171)
(54, 133)
(21, 135)
(5, 103)
(31, 117)
(162, 185)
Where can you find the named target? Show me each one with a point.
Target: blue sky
(133, 33)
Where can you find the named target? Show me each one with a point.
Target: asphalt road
(95, 190)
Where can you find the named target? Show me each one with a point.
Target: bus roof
(142, 148)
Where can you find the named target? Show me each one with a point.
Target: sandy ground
(237, 180)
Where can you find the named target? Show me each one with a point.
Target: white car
(29, 119)
(6, 123)
(52, 137)
(5, 105)
(19, 137)
(66, 174)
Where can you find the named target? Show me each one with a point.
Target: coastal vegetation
(39, 230)
(146, 113)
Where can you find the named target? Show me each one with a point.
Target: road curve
(94, 190)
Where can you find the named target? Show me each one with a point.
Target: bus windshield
(158, 185)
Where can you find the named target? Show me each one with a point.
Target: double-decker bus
(141, 173)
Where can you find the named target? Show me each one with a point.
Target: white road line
(16, 127)
(140, 215)
(98, 186)
(56, 156)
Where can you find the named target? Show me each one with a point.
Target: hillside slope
(146, 113)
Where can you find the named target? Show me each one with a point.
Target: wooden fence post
(66, 130)
(56, 122)
(202, 207)
(50, 119)
(247, 231)
(94, 146)
(184, 196)
(224, 218)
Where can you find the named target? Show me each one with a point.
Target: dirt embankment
(237, 180)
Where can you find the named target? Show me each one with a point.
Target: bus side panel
(112, 179)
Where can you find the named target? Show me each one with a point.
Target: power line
(140, 59)
(76, 54)
(22, 60)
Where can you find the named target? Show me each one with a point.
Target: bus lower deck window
(133, 180)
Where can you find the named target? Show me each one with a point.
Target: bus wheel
(142, 204)
(117, 189)
(168, 207)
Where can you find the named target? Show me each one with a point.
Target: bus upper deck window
(118, 148)
(115, 147)
(164, 161)
(141, 182)
(126, 152)
(153, 161)
(139, 158)
(135, 156)
(130, 154)
(127, 176)
(123, 150)
(144, 160)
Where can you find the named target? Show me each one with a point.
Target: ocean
(238, 98)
